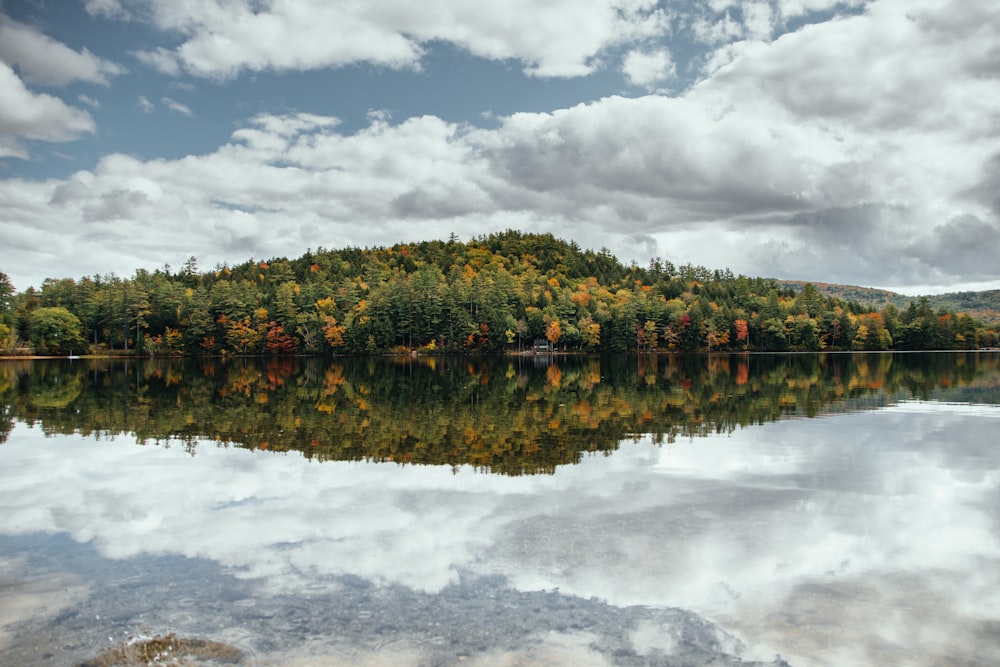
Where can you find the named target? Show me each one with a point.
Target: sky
(853, 141)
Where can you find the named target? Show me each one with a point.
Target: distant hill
(494, 294)
(984, 306)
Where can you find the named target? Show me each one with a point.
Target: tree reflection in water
(501, 415)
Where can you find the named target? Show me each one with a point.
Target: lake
(800, 509)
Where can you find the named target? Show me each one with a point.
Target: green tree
(7, 320)
(55, 330)
(7, 339)
(6, 294)
(285, 309)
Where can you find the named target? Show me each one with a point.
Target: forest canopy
(502, 292)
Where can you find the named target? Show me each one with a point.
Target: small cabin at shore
(543, 346)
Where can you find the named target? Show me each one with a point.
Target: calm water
(795, 509)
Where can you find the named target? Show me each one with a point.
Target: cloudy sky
(855, 141)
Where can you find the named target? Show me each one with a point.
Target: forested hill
(984, 306)
(498, 293)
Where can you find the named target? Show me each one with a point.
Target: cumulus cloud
(665, 162)
(28, 115)
(718, 30)
(43, 60)
(222, 39)
(758, 20)
(853, 150)
(647, 68)
(283, 181)
(69, 193)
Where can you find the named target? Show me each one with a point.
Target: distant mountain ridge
(984, 306)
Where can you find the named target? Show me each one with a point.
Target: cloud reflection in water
(867, 538)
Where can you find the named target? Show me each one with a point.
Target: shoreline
(524, 354)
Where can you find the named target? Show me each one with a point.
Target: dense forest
(984, 306)
(496, 293)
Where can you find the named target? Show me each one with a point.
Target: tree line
(495, 293)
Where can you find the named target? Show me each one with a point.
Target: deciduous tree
(55, 330)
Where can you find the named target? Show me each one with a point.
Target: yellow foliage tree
(553, 331)
(333, 332)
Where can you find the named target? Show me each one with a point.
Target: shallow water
(860, 538)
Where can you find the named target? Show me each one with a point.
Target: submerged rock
(169, 651)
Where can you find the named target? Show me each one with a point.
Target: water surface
(799, 509)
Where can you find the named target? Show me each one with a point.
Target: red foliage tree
(277, 341)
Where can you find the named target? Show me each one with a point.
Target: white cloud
(719, 6)
(555, 39)
(647, 68)
(176, 106)
(849, 150)
(43, 60)
(290, 125)
(109, 8)
(89, 101)
(39, 59)
(160, 59)
(10, 147)
(796, 8)
(658, 160)
(28, 115)
(282, 184)
(833, 524)
(144, 105)
(717, 31)
(758, 20)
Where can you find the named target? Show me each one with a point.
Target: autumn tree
(742, 332)
(240, 335)
(590, 332)
(553, 331)
(478, 296)
(276, 341)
